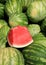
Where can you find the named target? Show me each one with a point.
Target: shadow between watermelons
(6, 16)
(24, 9)
(44, 33)
(7, 45)
(3, 1)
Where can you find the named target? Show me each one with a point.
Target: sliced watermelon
(19, 37)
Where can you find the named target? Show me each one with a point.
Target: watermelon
(13, 6)
(38, 37)
(37, 11)
(4, 30)
(34, 29)
(1, 10)
(19, 37)
(43, 25)
(3, 36)
(2, 23)
(25, 3)
(18, 19)
(3, 41)
(11, 56)
(35, 54)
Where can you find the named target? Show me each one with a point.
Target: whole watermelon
(3, 36)
(13, 6)
(3, 41)
(2, 23)
(37, 10)
(4, 30)
(11, 56)
(34, 29)
(18, 19)
(35, 54)
(1, 10)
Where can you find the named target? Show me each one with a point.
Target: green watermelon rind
(35, 53)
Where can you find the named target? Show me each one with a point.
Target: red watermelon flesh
(19, 37)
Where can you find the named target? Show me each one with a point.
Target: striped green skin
(3, 36)
(37, 11)
(43, 25)
(18, 19)
(2, 23)
(35, 54)
(13, 6)
(1, 10)
(39, 36)
(25, 3)
(34, 29)
(4, 30)
(3, 41)
(11, 56)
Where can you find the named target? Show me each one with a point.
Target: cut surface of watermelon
(19, 37)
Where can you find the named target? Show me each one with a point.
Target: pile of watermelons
(30, 14)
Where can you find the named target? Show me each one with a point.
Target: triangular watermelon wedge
(19, 37)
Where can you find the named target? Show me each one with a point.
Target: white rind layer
(20, 46)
